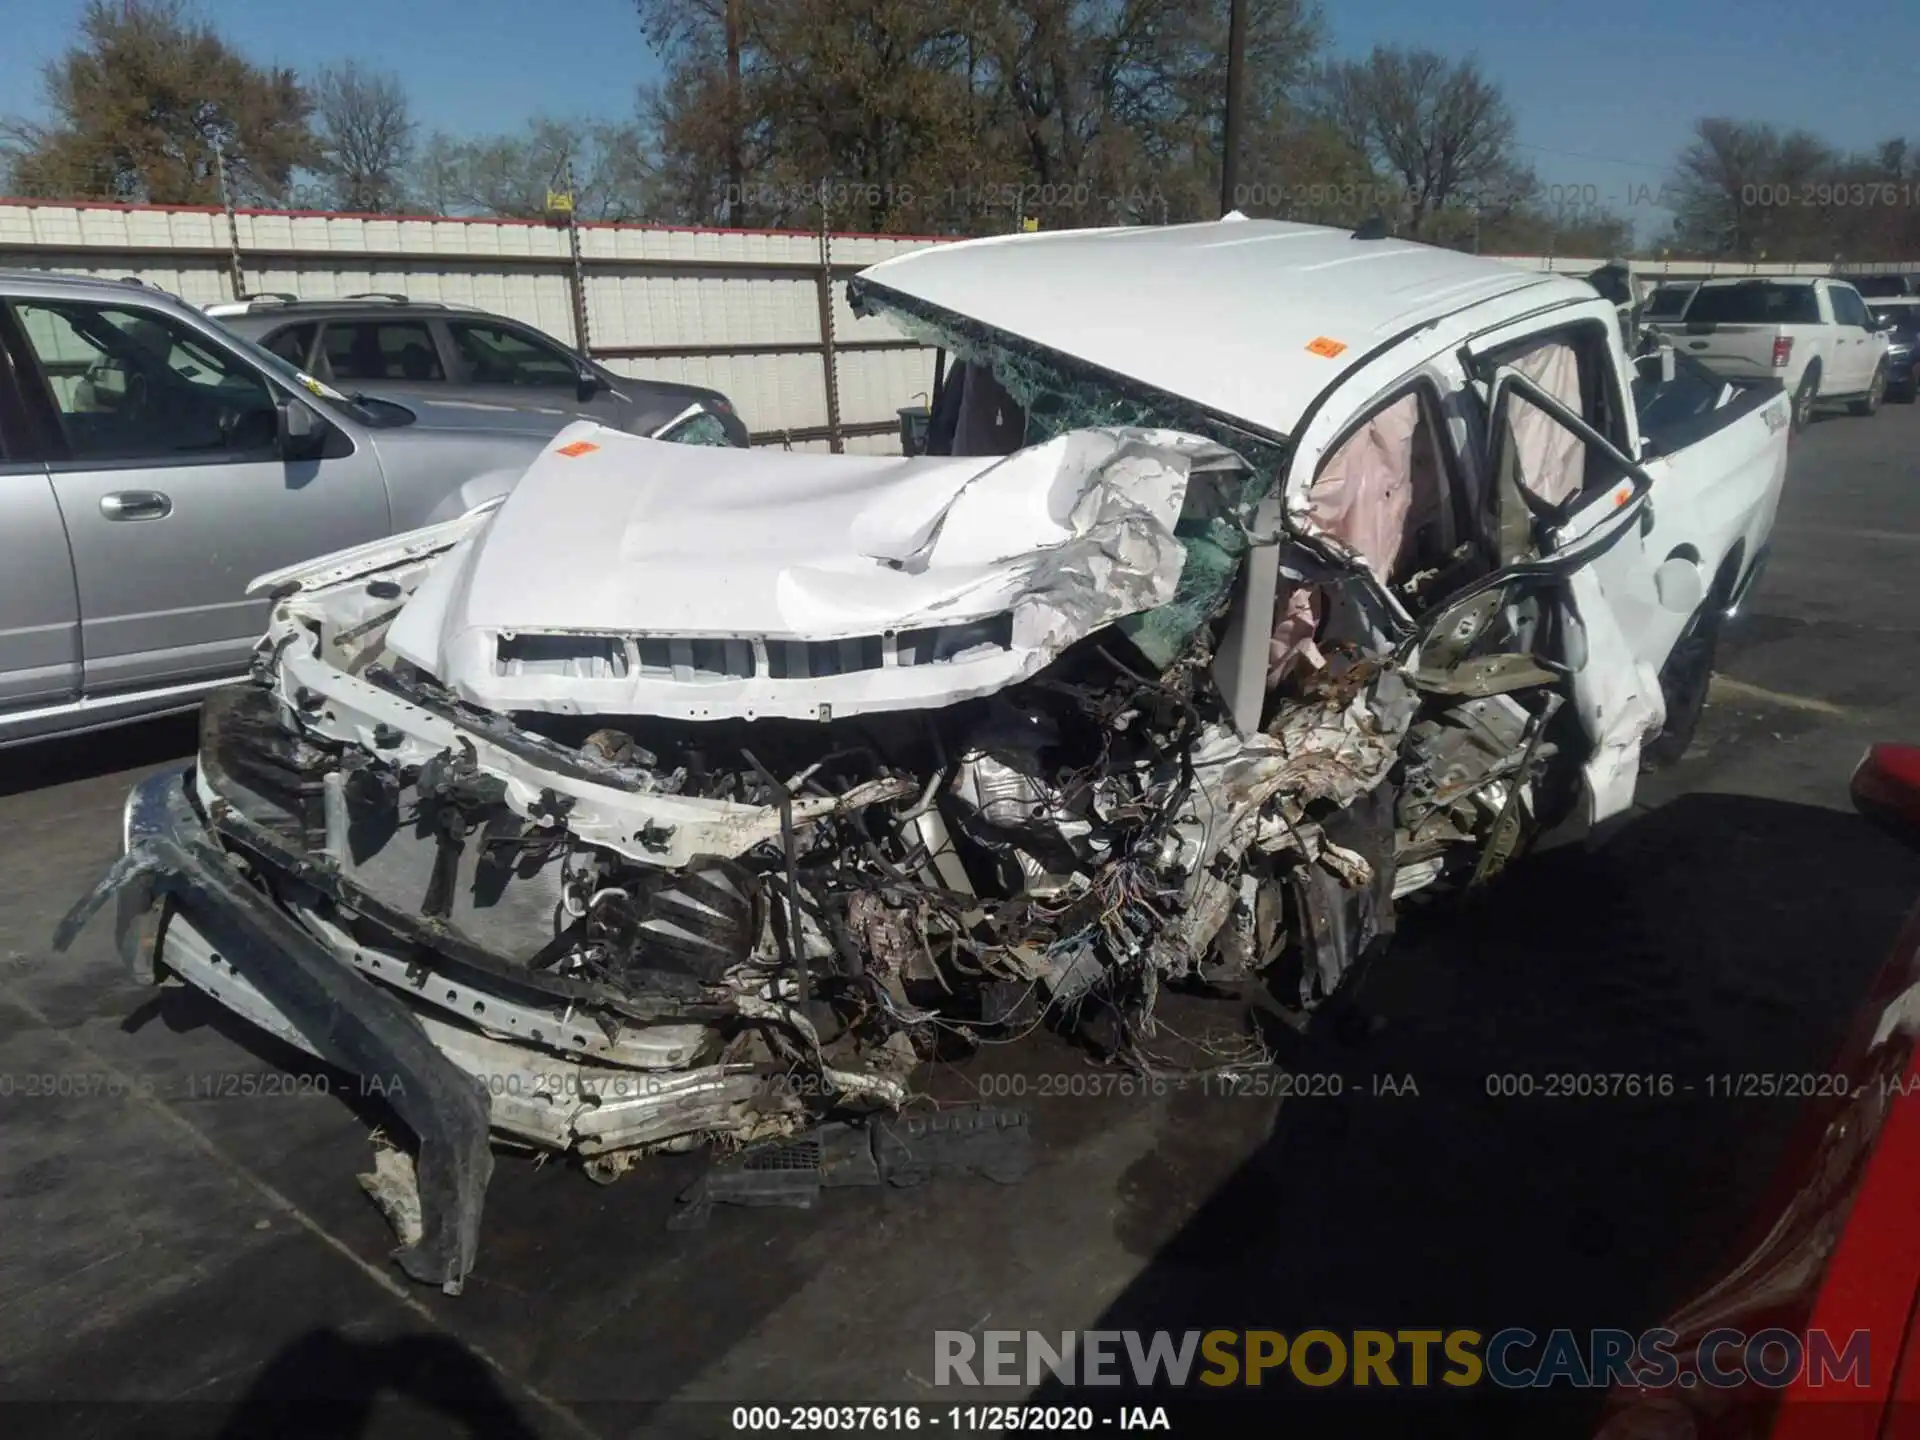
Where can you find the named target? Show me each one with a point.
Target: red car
(1835, 1261)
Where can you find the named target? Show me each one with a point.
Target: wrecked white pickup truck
(1258, 577)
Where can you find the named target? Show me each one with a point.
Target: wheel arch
(1727, 577)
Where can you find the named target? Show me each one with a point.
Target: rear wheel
(1683, 685)
(1804, 397)
(1869, 403)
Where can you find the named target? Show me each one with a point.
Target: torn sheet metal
(1616, 695)
(375, 555)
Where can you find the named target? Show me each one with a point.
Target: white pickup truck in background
(1814, 335)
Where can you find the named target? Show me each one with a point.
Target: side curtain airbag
(1552, 458)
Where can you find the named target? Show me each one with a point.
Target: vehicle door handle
(1697, 345)
(135, 505)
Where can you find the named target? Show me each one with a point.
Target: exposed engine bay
(662, 846)
(839, 897)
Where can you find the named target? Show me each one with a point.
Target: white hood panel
(713, 582)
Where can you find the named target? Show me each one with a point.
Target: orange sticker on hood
(577, 448)
(1326, 347)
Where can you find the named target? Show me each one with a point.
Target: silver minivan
(152, 463)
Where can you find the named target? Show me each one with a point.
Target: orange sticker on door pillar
(1324, 346)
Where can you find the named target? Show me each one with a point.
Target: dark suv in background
(1901, 320)
(1884, 287)
(402, 348)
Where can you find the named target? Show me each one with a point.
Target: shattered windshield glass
(703, 429)
(1059, 395)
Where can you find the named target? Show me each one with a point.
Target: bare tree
(434, 179)
(699, 114)
(1438, 126)
(1871, 215)
(365, 136)
(733, 36)
(1745, 188)
(613, 175)
(764, 108)
(958, 114)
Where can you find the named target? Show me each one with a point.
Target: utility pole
(561, 210)
(829, 358)
(1236, 104)
(736, 112)
(233, 225)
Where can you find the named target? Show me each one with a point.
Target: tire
(1803, 397)
(1683, 685)
(1869, 403)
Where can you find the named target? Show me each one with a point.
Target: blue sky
(1604, 93)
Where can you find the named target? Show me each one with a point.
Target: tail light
(1886, 787)
(1782, 351)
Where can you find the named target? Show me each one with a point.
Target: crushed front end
(582, 876)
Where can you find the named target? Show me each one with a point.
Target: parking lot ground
(179, 1256)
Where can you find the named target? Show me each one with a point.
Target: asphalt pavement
(184, 1249)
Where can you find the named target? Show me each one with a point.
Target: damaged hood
(625, 575)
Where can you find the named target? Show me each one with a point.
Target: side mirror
(299, 432)
(590, 383)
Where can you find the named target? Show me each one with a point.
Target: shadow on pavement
(1718, 935)
(181, 1009)
(42, 763)
(326, 1384)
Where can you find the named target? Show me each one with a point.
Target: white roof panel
(1252, 319)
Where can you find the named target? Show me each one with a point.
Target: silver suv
(417, 349)
(152, 463)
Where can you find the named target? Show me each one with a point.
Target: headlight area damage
(696, 795)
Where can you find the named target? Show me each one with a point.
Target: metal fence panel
(735, 310)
